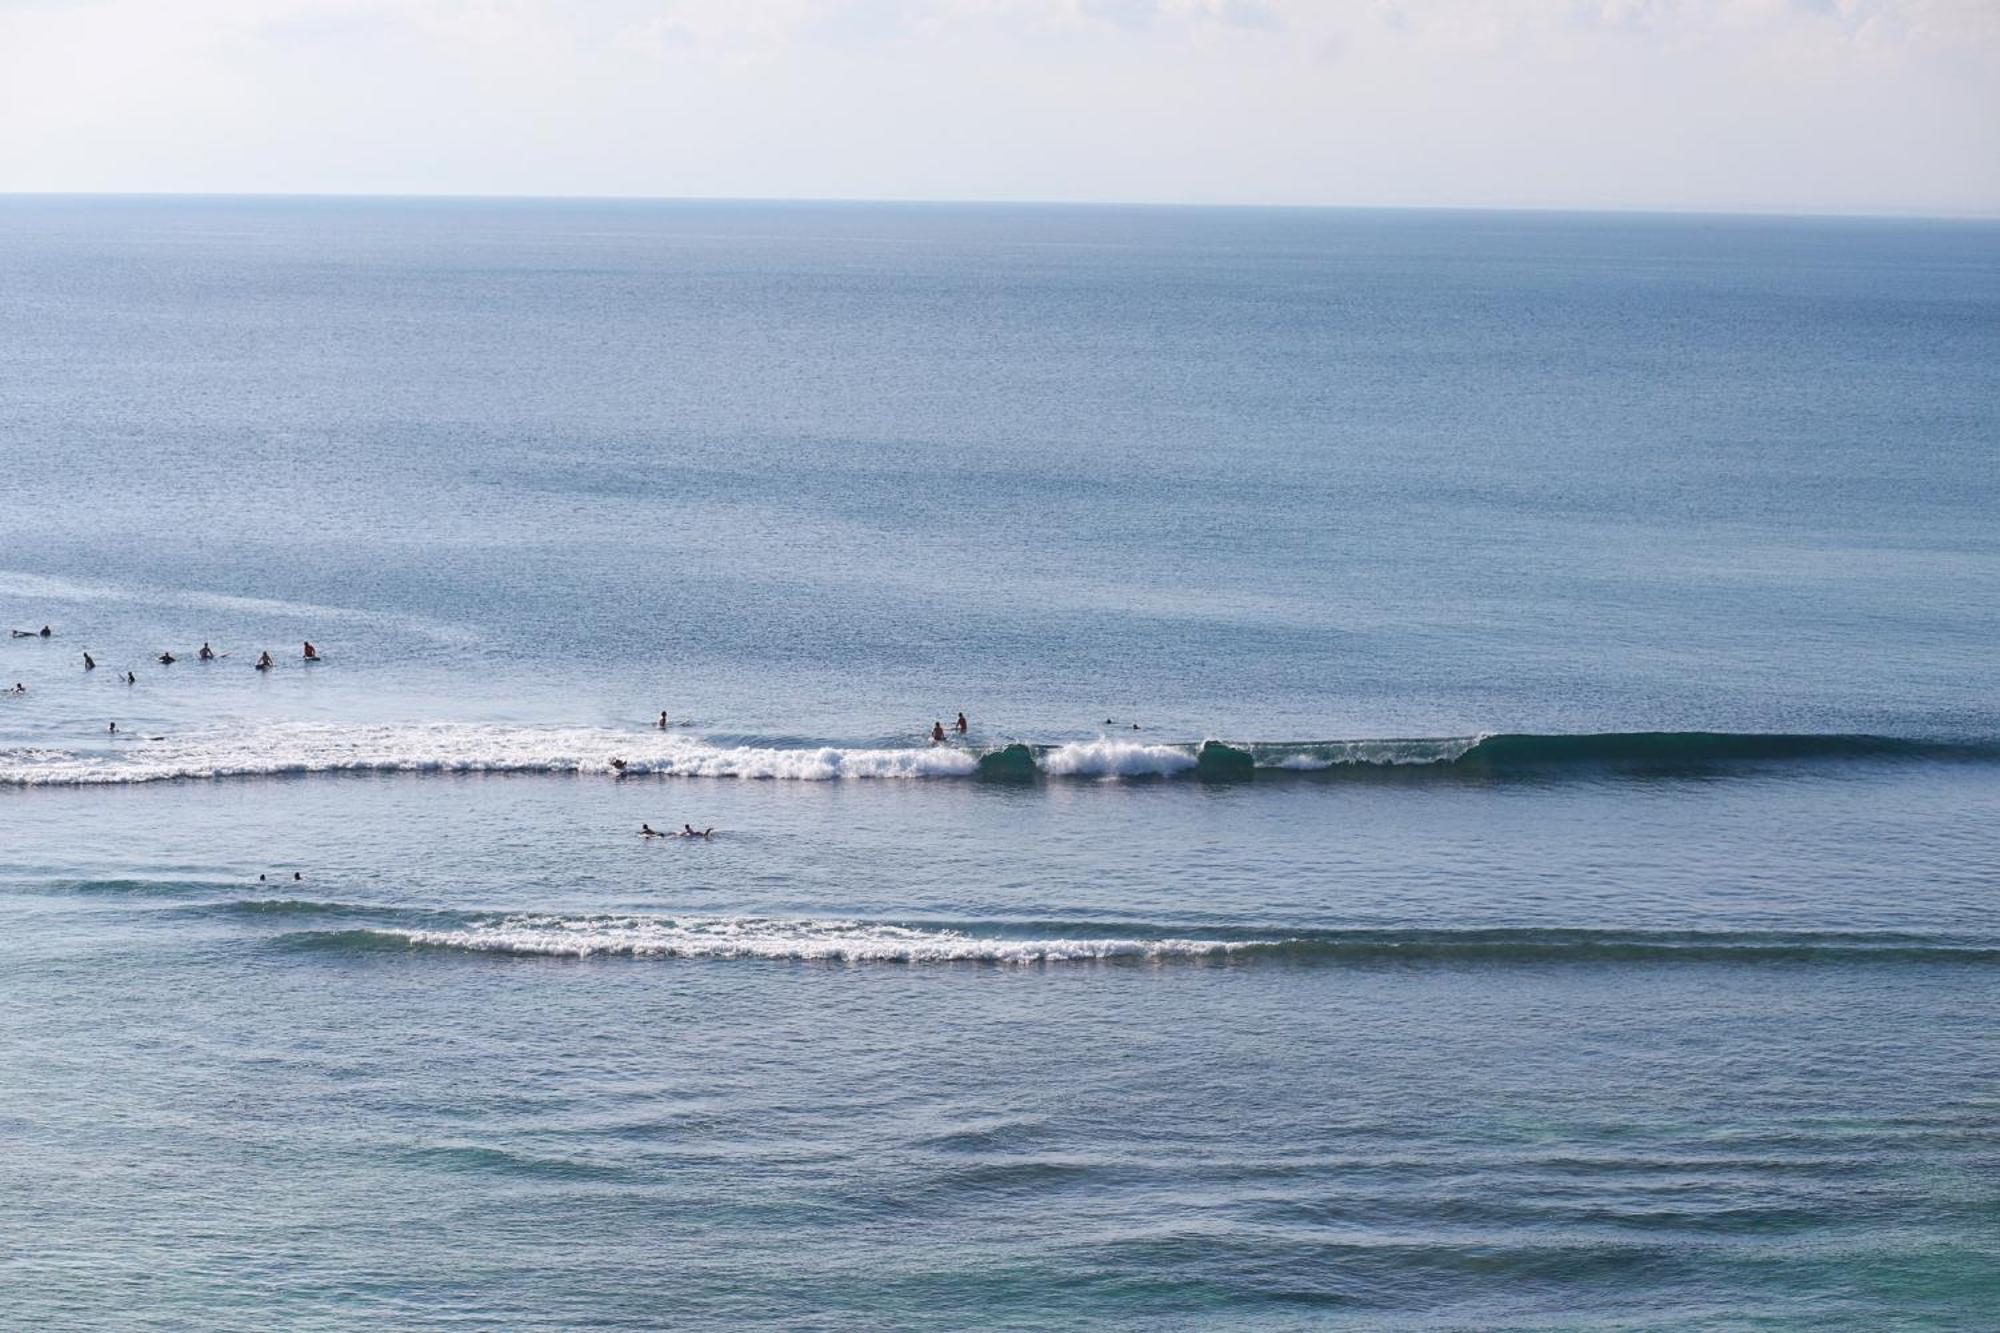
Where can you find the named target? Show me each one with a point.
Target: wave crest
(551, 935)
(293, 748)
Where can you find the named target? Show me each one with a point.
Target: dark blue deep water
(1480, 809)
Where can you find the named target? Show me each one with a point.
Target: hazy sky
(1762, 105)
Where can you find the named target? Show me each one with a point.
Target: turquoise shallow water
(1403, 1008)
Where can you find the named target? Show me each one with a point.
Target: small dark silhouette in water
(297, 876)
(166, 659)
(961, 724)
(46, 631)
(937, 733)
(131, 679)
(662, 723)
(113, 728)
(689, 831)
(264, 662)
(648, 831)
(618, 764)
(207, 654)
(312, 653)
(19, 688)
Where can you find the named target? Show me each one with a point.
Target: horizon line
(1830, 215)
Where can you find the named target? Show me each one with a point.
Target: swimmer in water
(166, 659)
(19, 688)
(937, 733)
(264, 662)
(961, 724)
(131, 679)
(89, 662)
(618, 764)
(312, 653)
(662, 723)
(207, 654)
(113, 728)
(689, 831)
(46, 631)
(648, 831)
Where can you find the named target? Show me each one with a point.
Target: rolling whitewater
(1479, 805)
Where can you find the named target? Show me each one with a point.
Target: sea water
(1479, 806)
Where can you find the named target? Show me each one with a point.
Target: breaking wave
(293, 749)
(551, 935)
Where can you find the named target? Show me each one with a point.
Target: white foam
(286, 748)
(757, 937)
(1116, 759)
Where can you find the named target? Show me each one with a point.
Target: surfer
(648, 831)
(46, 631)
(264, 662)
(662, 723)
(166, 659)
(131, 679)
(312, 653)
(689, 831)
(207, 654)
(618, 764)
(89, 662)
(961, 723)
(19, 688)
(113, 728)
(937, 733)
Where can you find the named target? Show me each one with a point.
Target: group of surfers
(208, 654)
(310, 653)
(687, 831)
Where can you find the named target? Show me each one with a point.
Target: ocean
(1479, 806)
